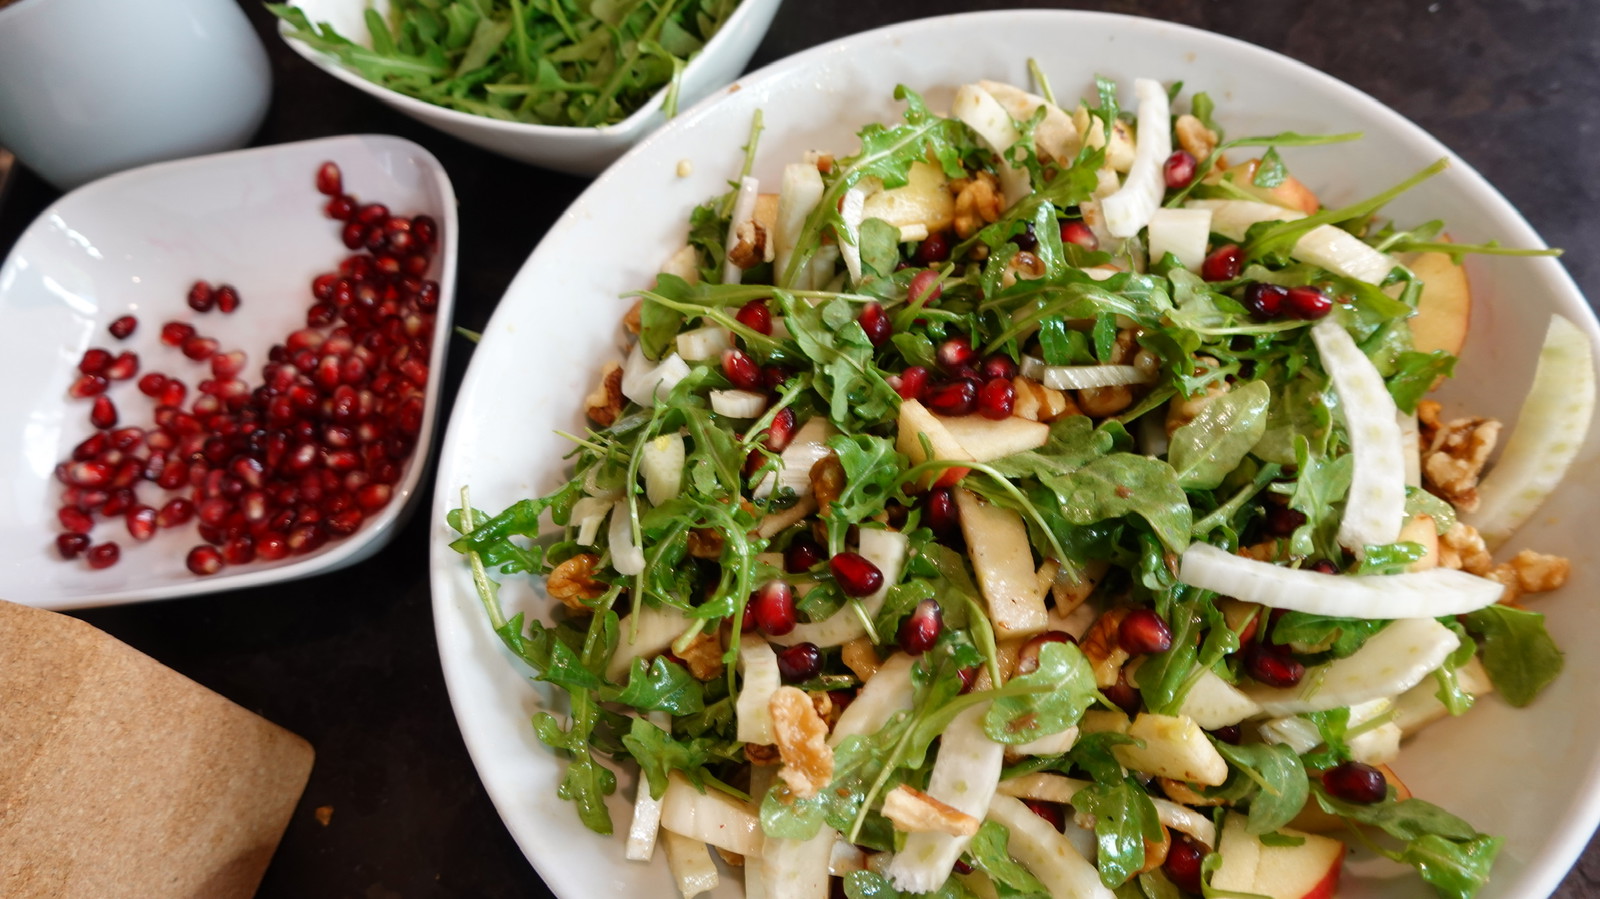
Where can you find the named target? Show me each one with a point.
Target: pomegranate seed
(1282, 521)
(959, 397)
(1028, 655)
(1049, 811)
(75, 520)
(800, 662)
(373, 497)
(126, 439)
(152, 384)
(204, 560)
(1124, 696)
(227, 298)
(942, 515)
(103, 555)
(1182, 867)
(70, 546)
(239, 550)
(756, 316)
(1307, 303)
(176, 512)
(998, 365)
(175, 333)
(104, 413)
(934, 248)
(772, 608)
(227, 365)
(1355, 782)
(199, 348)
(1080, 234)
(92, 446)
(271, 547)
(1232, 734)
(117, 502)
(329, 181)
(1223, 263)
(1264, 301)
(373, 214)
(969, 677)
(425, 230)
(803, 555)
(1323, 566)
(94, 361)
(123, 327)
(876, 323)
(141, 522)
(954, 353)
(855, 574)
(924, 288)
(740, 369)
(910, 383)
(87, 386)
(1143, 632)
(345, 522)
(781, 430)
(921, 629)
(1179, 170)
(340, 208)
(1271, 667)
(125, 366)
(92, 474)
(306, 538)
(173, 393)
(996, 398)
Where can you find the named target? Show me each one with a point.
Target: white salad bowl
(581, 151)
(1531, 775)
(133, 243)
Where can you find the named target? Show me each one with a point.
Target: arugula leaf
(1124, 819)
(1271, 171)
(1125, 484)
(1456, 869)
(1517, 651)
(659, 686)
(1338, 637)
(658, 755)
(1046, 701)
(1213, 444)
(989, 853)
(1280, 780)
(1415, 374)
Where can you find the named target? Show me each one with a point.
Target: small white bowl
(133, 243)
(580, 151)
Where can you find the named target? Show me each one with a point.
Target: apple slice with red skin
(1308, 870)
(916, 422)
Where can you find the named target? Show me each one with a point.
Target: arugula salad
(1043, 500)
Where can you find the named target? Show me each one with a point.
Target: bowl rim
(1544, 869)
(366, 540)
(636, 120)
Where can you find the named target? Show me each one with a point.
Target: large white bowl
(581, 151)
(1530, 775)
(133, 243)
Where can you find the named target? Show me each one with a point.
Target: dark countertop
(348, 659)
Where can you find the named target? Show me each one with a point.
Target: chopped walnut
(731, 859)
(1463, 548)
(751, 246)
(1100, 402)
(978, 202)
(861, 658)
(1155, 854)
(802, 739)
(705, 543)
(572, 581)
(913, 811)
(604, 403)
(764, 755)
(1036, 402)
(1024, 266)
(1195, 137)
(1454, 458)
(633, 319)
(827, 482)
(1183, 410)
(1531, 572)
(1265, 551)
(703, 656)
(823, 703)
(1102, 648)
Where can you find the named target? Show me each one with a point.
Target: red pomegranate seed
(373, 497)
(227, 298)
(933, 249)
(998, 365)
(740, 369)
(91, 447)
(959, 397)
(1282, 521)
(969, 677)
(1179, 170)
(239, 551)
(123, 327)
(306, 538)
(175, 333)
(1355, 782)
(1028, 655)
(271, 547)
(1051, 812)
(1271, 667)
(855, 574)
(103, 555)
(202, 297)
(199, 348)
(344, 523)
(118, 501)
(104, 413)
(330, 182)
(799, 663)
(204, 560)
(954, 353)
(94, 361)
(177, 511)
(1080, 234)
(126, 439)
(1223, 263)
(141, 522)
(354, 234)
(340, 208)
(1182, 867)
(876, 323)
(781, 431)
(87, 386)
(153, 384)
(921, 629)
(424, 229)
(1124, 695)
(803, 555)
(756, 316)
(1307, 303)
(75, 519)
(70, 546)
(924, 288)
(941, 514)
(772, 608)
(91, 474)
(373, 214)
(1264, 301)
(996, 398)
(227, 365)
(1143, 632)
(1323, 566)
(125, 366)
(910, 383)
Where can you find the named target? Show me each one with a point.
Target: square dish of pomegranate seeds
(222, 371)
(997, 491)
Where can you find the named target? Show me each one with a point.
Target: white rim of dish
(636, 119)
(1544, 871)
(335, 554)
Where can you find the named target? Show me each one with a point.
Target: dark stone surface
(348, 660)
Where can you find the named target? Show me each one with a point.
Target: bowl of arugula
(563, 92)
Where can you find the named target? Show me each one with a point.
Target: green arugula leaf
(1212, 445)
(1281, 784)
(658, 755)
(1125, 484)
(1124, 819)
(1415, 374)
(660, 686)
(1046, 701)
(989, 853)
(1517, 651)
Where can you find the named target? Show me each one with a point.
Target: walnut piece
(913, 811)
(1099, 402)
(751, 246)
(705, 543)
(573, 581)
(1461, 547)
(827, 482)
(604, 403)
(978, 202)
(1195, 137)
(1530, 572)
(1454, 458)
(802, 740)
(1036, 402)
(861, 658)
(764, 755)
(1102, 648)
(633, 319)
(703, 656)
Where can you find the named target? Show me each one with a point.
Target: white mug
(90, 87)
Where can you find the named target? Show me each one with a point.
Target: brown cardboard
(120, 777)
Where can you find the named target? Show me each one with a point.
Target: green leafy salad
(541, 62)
(1043, 500)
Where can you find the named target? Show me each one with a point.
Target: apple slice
(923, 202)
(1445, 308)
(1291, 193)
(1241, 856)
(916, 422)
(997, 541)
(1213, 702)
(986, 440)
(1307, 871)
(1175, 747)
